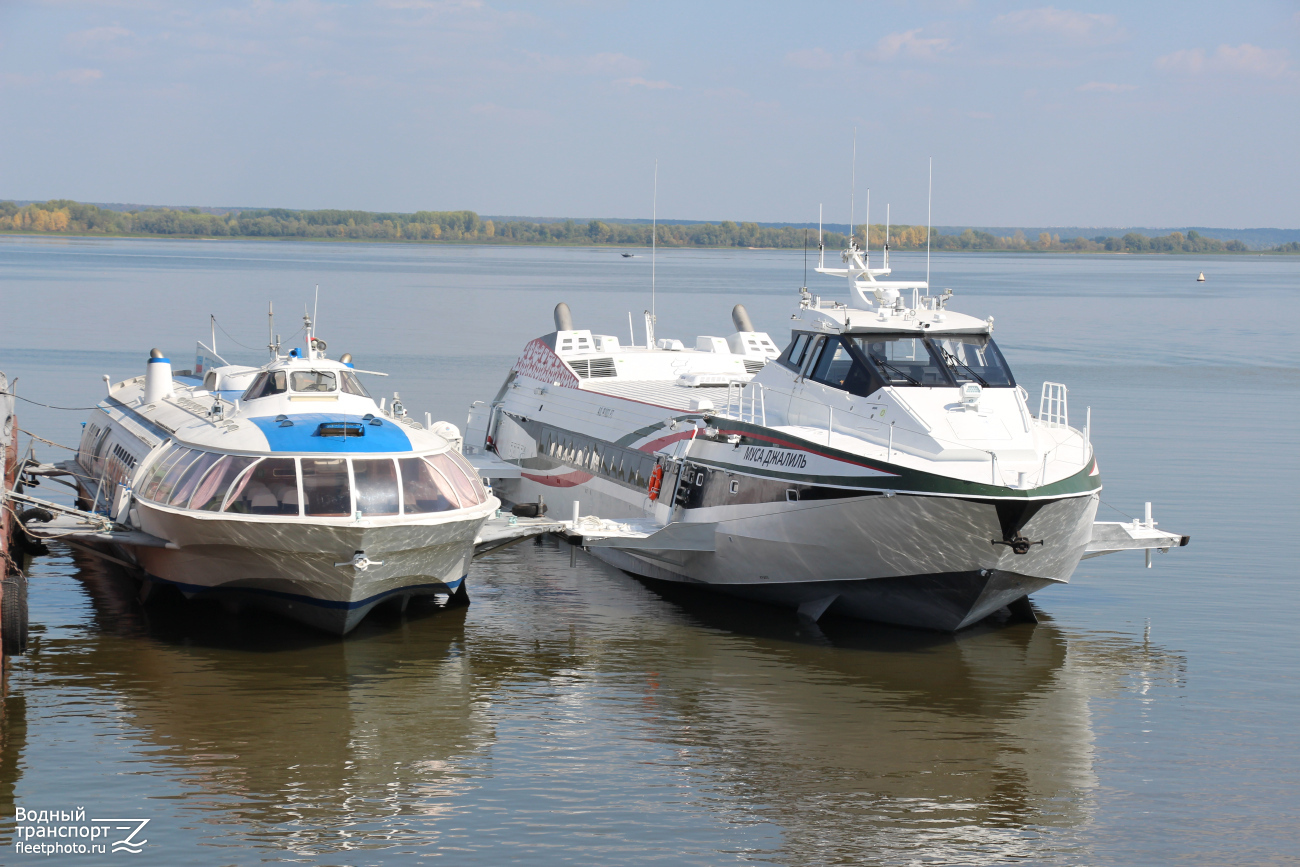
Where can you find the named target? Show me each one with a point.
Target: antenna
(315, 308)
(214, 332)
(805, 260)
(821, 248)
(654, 236)
(866, 245)
(929, 196)
(270, 330)
(853, 181)
(886, 265)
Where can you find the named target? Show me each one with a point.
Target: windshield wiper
(953, 362)
(888, 366)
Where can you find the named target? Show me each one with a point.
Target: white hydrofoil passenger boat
(286, 487)
(884, 466)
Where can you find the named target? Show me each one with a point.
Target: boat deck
(658, 392)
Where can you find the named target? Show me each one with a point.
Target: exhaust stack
(740, 316)
(157, 377)
(563, 318)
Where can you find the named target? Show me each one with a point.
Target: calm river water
(571, 715)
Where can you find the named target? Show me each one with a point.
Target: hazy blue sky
(1153, 114)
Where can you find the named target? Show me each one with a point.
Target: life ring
(655, 479)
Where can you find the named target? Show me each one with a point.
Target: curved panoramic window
(190, 479)
(376, 486)
(268, 382)
(424, 489)
(462, 477)
(211, 491)
(268, 488)
(149, 490)
(168, 484)
(311, 380)
(326, 488)
(974, 358)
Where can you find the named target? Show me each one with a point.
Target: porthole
(735, 486)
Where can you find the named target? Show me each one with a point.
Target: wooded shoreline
(68, 218)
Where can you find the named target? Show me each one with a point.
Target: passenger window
(270, 488)
(165, 471)
(211, 492)
(465, 482)
(326, 488)
(376, 486)
(311, 380)
(159, 472)
(424, 489)
(185, 487)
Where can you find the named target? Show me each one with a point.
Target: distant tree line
(69, 217)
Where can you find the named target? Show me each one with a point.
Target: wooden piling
(9, 432)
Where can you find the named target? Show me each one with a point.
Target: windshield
(266, 384)
(311, 380)
(974, 358)
(352, 385)
(902, 360)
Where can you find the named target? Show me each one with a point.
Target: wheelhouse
(865, 363)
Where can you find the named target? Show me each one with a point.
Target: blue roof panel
(302, 436)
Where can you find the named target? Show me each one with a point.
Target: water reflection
(577, 701)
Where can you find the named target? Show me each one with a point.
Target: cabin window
(210, 494)
(352, 385)
(463, 478)
(190, 479)
(833, 365)
(424, 489)
(326, 488)
(268, 382)
(974, 358)
(312, 380)
(795, 352)
(900, 359)
(376, 486)
(163, 492)
(270, 488)
(159, 471)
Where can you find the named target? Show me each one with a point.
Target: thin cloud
(1244, 59)
(1105, 87)
(813, 58)
(908, 45)
(606, 63)
(1082, 28)
(648, 85)
(97, 36)
(79, 76)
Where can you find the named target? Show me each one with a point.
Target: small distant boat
(628, 255)
(1200, 278)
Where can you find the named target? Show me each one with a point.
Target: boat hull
(933, 562)
(292, 568)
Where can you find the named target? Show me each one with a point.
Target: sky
(1130, 114)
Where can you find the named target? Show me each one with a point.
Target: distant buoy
(1200, 278)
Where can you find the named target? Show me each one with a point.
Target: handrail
(746, 401)
(1053, 406)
